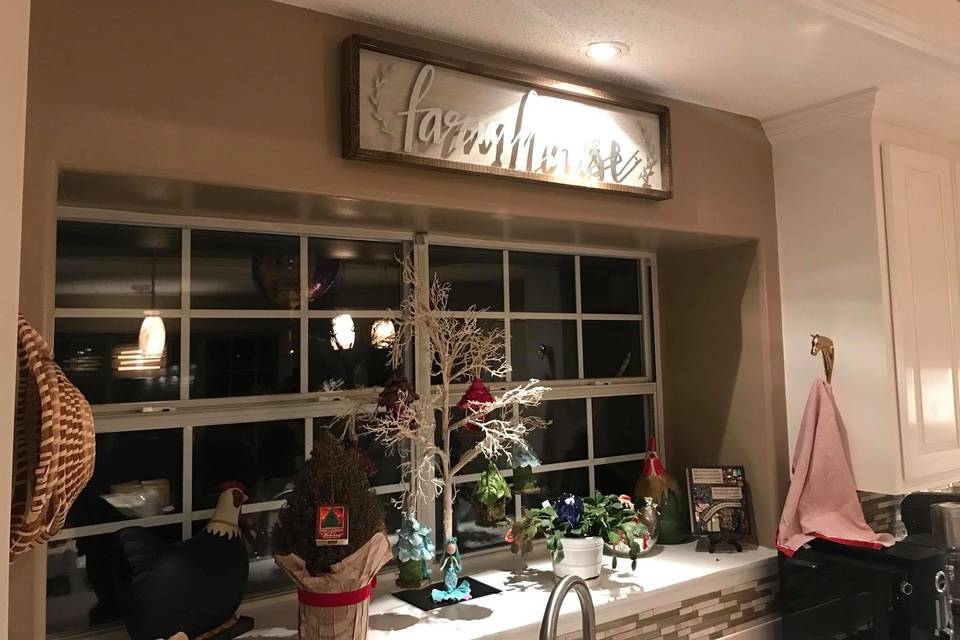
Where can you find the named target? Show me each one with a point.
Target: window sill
(668, 575)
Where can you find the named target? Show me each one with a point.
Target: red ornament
(476, 398)
(396, 386)
(655, 481)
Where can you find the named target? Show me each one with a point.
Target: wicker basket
(53, 444)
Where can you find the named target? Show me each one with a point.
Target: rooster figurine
(192, 587)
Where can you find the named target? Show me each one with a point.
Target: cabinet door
(924, 287)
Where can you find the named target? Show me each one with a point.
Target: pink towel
(822, 501)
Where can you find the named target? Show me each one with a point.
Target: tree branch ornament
(460, 351)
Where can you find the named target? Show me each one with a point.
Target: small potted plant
(329, 540)
(576, 528)
(490, 497)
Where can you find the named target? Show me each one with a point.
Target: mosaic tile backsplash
(712, 615)
(882, 511)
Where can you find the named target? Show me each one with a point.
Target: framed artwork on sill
(719, 501)
(408, 106)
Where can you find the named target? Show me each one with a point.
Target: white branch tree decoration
(461, 351)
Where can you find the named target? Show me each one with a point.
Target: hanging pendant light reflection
(343, 333)
(383, 333)
(153, 336)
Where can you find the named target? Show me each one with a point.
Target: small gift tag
(333, 525)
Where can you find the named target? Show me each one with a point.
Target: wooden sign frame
(543, 85)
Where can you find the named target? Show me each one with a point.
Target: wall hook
(824, 346)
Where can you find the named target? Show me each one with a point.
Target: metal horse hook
(824, 346)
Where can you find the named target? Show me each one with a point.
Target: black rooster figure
(192, 587)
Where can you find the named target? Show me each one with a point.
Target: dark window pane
(619, 478)
(544, 349)
(612, 349)
(486, 325)
(335, 363)
(542, 282)
(392, 516)
(553, 483)
(80, 591)
(475, 275)
(565, 440)
(264, 456)
(232, 357)
(621, 425)
(256, 529)
(353, 274)
(101, 357)
(117, 266)
(138, 474)
(462, 440)
(470, 536)
(609, 285)
(388, 467)
(244, 271)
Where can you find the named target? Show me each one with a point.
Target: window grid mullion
(186, 491)
(507, 351)
(185, 266)
(304, 318)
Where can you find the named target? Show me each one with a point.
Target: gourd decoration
(659, 485)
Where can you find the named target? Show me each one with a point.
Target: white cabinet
(867, 223)
(921, 226)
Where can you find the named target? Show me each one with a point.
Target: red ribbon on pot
(342, 599)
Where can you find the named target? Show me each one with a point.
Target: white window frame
(187, 414)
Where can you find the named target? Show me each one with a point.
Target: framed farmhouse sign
(410, 106)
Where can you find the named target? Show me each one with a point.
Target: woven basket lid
(54, 444)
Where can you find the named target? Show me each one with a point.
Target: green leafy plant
(490, 496)
(611, 518)
(491, 487)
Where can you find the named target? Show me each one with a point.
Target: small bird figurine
(194, 586)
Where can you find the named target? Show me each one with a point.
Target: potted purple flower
(576, 528)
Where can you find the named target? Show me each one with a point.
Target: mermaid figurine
(451, 567)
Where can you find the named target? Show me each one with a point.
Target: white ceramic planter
(581, 557)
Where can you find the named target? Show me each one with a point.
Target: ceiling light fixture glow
(605, 51)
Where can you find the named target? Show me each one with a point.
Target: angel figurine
(451, 566)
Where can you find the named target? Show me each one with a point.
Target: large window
(584, 326)
(271, 335)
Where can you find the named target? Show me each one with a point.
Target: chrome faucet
(548, 628)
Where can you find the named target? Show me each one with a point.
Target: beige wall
(14, 32)
(246, 92)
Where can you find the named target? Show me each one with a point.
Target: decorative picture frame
(719, 501)
(414, 107)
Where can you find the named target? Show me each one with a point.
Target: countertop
(668, 574)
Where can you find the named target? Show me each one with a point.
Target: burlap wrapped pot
(350, 579)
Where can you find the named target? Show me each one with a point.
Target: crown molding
(823, 115)
(870, 106)
(892, 25)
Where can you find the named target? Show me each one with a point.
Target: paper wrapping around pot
(354, 572)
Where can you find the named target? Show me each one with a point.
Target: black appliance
(830, 591)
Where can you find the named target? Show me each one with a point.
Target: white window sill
(669, 574)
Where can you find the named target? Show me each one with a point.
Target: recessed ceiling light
(605, 51)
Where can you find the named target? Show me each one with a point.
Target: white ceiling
(755, 57)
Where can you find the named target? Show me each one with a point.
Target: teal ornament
(414, 551)
(451, 567)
